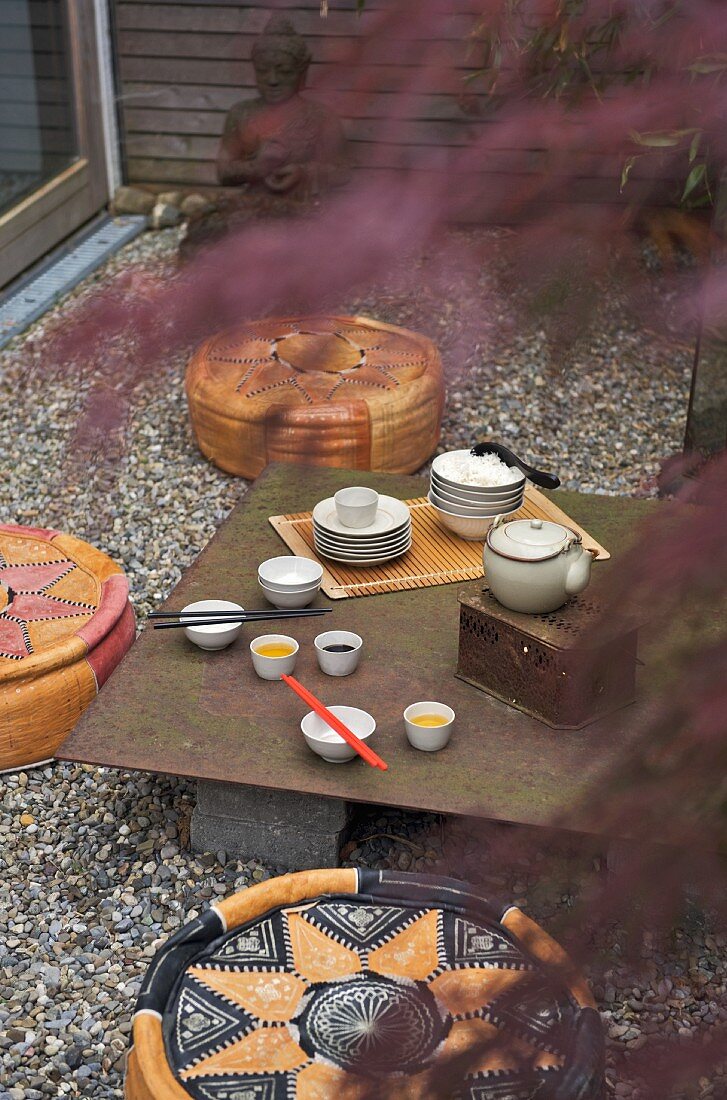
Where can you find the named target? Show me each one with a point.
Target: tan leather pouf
(353, 984)
(327, 391)
(65, 623)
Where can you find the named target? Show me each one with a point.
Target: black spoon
(538, 477)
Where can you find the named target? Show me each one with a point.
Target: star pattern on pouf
(316, 1001)
(314, 363)
(44, 597)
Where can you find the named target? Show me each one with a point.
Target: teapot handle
(574, 539)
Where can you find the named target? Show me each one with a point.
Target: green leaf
(667, 15)
(703, 68)
(694, 178)
(626, 171)
(694, 147)
(664, 140)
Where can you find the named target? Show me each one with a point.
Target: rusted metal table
(174, 709)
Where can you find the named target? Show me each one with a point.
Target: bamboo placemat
(436, 556)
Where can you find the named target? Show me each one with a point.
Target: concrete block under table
(283, 828)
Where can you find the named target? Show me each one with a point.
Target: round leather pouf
(65, 623)
(345, 984)
(326, 391)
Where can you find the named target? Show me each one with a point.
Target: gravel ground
(95, 865)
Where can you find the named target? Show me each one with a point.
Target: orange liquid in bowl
(275, 649)
(429, 720)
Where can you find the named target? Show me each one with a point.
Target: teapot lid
(530, 539)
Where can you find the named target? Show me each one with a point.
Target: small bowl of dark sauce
(338, 652)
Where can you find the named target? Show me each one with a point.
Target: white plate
(395, 548)
(391, 514)
(370, 544)
(364, 561)
(378, 546)
(372, 559)
(367, 540)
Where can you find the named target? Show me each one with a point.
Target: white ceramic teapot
(534, 565)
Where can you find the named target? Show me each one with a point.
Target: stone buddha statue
(281, 141)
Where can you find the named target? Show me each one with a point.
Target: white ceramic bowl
(272, 668)
(291, 601)
(428, 738)
(338, 664)
(356, 506)
(212, 637)
(474, 511)
(476, 492)
(327, 743)
(290, 573)
(518, 477)
(456, 496)
(474, 529)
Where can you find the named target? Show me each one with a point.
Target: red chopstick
(336, 724)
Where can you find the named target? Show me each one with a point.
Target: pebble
(95, 868)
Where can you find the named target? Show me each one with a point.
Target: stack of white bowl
(468, 510)
(290, 581)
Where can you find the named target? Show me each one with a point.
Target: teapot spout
(579, 574)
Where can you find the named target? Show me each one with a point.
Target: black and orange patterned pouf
(323, 391)
(65, 623)
(347, 984)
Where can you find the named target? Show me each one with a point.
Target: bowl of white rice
(479, 476)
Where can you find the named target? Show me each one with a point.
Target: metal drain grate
(29, 297)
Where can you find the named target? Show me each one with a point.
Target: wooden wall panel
(183, 63)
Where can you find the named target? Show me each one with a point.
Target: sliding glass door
(52, 156)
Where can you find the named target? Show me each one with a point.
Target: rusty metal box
(561, 668)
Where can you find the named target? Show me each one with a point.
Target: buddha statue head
(281, 59)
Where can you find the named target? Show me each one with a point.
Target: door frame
(45, 217)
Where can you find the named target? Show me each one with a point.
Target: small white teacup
(341, 662)
(428, 738)
(356, 506)
(270, 667)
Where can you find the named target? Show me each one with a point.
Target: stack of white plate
(386, 538)
(469, 510)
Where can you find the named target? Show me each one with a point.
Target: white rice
(469, 469)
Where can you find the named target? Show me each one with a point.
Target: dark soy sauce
(342, 648)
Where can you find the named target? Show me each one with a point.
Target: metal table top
(174, 709)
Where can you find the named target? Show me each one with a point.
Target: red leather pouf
(65, 623)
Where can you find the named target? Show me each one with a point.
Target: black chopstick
(282, 612)
(233, 622)
(212, 622)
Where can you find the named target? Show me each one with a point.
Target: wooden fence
(183, 63)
